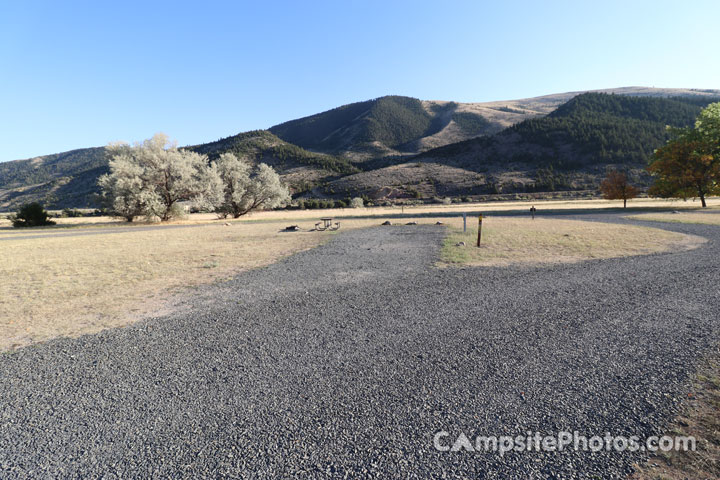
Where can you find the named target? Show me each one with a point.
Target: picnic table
(326, 223)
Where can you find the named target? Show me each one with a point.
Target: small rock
(387, 222)
(226, 224)
(411, 223)
(460, 244)
(439, 223)
(292, 228)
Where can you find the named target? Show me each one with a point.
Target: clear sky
(79, 74)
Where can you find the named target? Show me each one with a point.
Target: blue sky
(79, 74)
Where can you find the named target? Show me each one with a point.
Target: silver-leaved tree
(245, 188)
(154, 178)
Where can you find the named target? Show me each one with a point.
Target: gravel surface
(344, 361)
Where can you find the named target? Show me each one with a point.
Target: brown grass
(681, 217)
(522, 241)
(65, 286)
(498, 206)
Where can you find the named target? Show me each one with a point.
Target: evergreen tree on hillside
(609, 128)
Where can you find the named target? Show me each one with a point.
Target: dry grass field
(88, 274)
(439, 209)
(522, 241)
(70, 285)
(681, 217)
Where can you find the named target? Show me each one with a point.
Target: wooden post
(479, 229)
(464, 222)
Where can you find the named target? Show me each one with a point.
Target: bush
(357, 202)
(71, 213)
(314, 203)
(31, 215)
(414, 193)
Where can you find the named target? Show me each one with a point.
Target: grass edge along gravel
(521, 241)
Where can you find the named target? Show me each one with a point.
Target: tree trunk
(624, 202)
(702, 200)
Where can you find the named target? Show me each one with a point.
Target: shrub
(414, 193)
(357, 202)
(31, 215)
(314, 203)
(71, 213)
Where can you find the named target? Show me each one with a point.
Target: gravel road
(344, 361)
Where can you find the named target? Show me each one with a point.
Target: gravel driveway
(344, 361)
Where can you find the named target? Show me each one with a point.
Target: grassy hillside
(384, 126)
(60, 180)
(50, 167)
(261, 145)
(384, 122)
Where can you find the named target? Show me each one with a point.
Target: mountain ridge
(366, 138)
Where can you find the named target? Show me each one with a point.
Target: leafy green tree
(31, 215)
(708, 127)
(689, 164)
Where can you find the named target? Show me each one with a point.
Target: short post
(464, 222)
(479, 229)
(532, 211)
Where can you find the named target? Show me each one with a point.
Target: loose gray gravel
(345, 360)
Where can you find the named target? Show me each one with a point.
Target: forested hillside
(402, 147)
(609, 128)
(569, 150)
